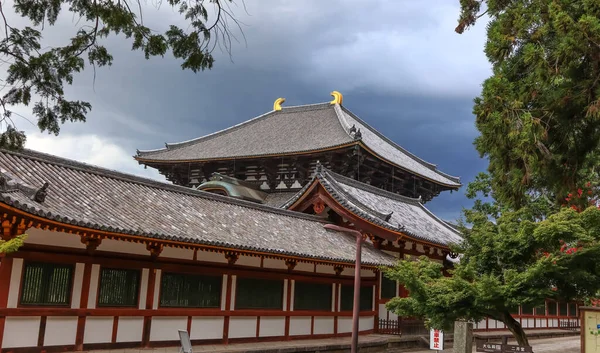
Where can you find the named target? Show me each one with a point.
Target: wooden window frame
(237, 288)
(139, 289)
(72, 267)
(160, 289)
(332, 296)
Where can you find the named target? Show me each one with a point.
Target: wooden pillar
(5, 272)
(288, 299)
(149, 307)
(377, 298)
(336, 301)
(85, 294)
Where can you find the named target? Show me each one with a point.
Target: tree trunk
(515, 328)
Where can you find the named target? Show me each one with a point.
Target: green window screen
(119, 287)
(347, 298)
(563, 309)
(191, 291)
(552, 310)
(254, 293)
(46, 284)
(312, 296)
(572, 309)
(388, 287)
(526, 309)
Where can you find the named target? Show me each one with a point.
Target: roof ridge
(423, 162)
(109, 173)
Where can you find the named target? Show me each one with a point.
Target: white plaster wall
(367, 273)
(347, 271)
(223, 292)
(540, 323)
(98, 329)
(345, 324)
(210, 256)
(553, 322)
(77, 285)
(46, 237)
(300, 325)
(366, 323)
(60, 330)
(207, 327)
(274, 263)
(15, 283)
(130, 329)
(304, 267)
(272, 326)
(242, 327)
(144, 288)
(325, 269)
(94, 277)
(157, 289)
(164, 328)
(177, 253)
(248, 261)
(323, 325)
(530, 322)
(480, 324)
(21, 331)
(382, 311)
(491, 324)
(123, 247)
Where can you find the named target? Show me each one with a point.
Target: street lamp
(356, 305)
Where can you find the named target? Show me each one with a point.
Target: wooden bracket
(319, 206)
(338, 270)
(231, 258)
(291, 264)
(91, 242)
(155, 249)
(377, 242)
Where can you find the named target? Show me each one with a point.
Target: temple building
(236, 249)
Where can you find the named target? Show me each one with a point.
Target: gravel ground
(548, 345)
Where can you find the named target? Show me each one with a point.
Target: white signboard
(436, 340)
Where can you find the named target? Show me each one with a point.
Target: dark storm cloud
(399, 65)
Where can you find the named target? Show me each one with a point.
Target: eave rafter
(16, 222)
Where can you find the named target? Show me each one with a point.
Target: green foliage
(539, 114)
(12, 245)
(37, 75)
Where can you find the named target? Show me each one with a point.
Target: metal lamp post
(356, 305)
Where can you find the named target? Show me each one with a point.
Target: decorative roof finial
(357, 135)
(277, 104)
(353, 128)
(40, 195)
(337, 98)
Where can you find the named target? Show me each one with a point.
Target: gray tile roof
(296, 129)
(101, 199)
(386, 209)
(278, 199)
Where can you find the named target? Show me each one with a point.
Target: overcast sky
(398, 63)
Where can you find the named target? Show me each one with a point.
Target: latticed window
(190, 291)
(347, 298)
(514, 310)
(526, 309)
(388, 287)
(254, 293)
(552, 310)
(46, 284)
(572, 309)
(312, 296)
(119, 287)
(563, 309)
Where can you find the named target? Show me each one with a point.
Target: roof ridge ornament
(337, 98)
(277, 103)
(41, 193)
(358, 135)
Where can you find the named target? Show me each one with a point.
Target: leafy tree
(37, 75)
(11, 245)
(535, 230)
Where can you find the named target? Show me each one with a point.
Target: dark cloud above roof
(399, 64)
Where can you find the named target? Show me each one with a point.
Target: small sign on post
(436, 340)
(489, 347)
(186, 344)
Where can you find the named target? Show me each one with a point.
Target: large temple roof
(296, 130)
(386, 209)
(87, 196)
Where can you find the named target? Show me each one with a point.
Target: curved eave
(64, 224)
(363, 217)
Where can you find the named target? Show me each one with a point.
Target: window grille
(388, 287)
(119, 287)
(312, 296)
(347, 298)
(47, 284)
(190, 291)
(254, 293)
